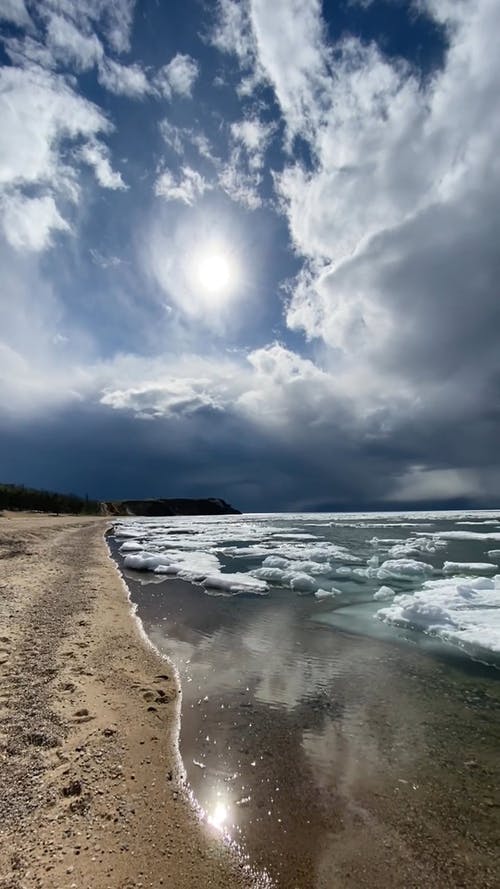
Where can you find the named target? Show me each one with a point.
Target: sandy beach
(91, 789)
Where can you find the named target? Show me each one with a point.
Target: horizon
(251, 260)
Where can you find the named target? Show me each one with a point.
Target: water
(337, 749)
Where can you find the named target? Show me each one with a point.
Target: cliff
(169, 507)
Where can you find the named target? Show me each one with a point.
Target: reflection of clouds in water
(267, 654)
(363, 744)
(353, 758)
(286, 673)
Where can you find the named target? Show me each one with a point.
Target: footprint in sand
(158, 695)
(83, 715)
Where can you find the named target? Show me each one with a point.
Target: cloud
(40, 110)
(69, 45)
(124, 80)
(393, 213)
(178, 77)
(28, 223)
(240, 184)
(180, 139)
(187, 187)
(41, 113)
(254, 135)
(168, 398)
(15, 11)
(232, 31)
(114, 18)
(421, 483)
(96, 154)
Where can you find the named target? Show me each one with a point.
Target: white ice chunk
(465, 535)
(403, 569)
(303, 583)
(131, 546)
(274, 575)
(384, 593)
(275, 562)
(464, 612)
(235, 584)
(457, 567)
(327, 594)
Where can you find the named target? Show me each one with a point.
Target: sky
(249, 250)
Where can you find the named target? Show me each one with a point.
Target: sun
(214, 272)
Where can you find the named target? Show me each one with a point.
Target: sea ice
(457, 567)
(385, 592)
(273, 575)
(465, 535)
(131, 546)
(463, 611)
(235, 584)
(303, 583)
(275, 562)
(327, 594)
(403, 569)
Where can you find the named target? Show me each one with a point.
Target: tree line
(18, 497)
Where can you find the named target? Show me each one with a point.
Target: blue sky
(250, 250)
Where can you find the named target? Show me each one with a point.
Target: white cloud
(124, 80)
(40, 112)
(187, 187)
(254, 135)
(175, 397)
(15, 11)
(69, 45)
(395, 213)
(96, 154)
(241, 185)
(28, 223)
(26, 51)
(178, 77)
(291, 51)
(180, 138)
(232, 32)
(114, 17)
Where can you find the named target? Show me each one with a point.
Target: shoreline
(92, 782)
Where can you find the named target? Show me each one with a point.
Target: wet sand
(337, 760)
(91, 788)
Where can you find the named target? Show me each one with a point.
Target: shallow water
(336, 749)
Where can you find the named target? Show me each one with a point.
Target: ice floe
(457, 567)
(234, 584)
(466, 535)
(462, 611)
(403, 569)
(327, 594)
(384, 593)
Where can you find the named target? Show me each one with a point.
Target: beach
(91, 784)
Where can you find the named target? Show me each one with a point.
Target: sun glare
(219, 816)
(214, 272)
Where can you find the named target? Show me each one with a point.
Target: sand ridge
(91, 788)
